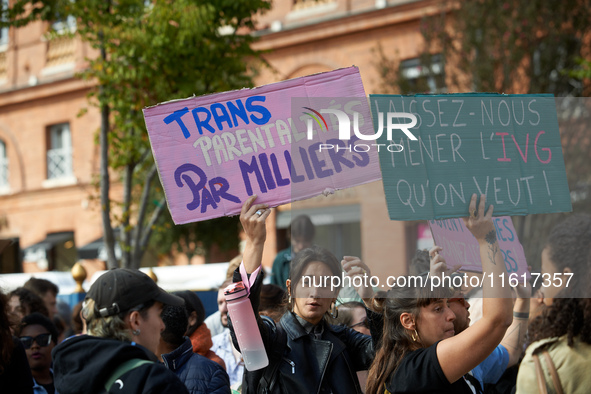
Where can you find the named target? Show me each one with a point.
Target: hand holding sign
(479, 223)
(460, 247)
(252, 217)
(353, 266)
(438, 265)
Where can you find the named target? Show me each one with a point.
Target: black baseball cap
(120, 289)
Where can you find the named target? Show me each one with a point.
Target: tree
(522, 46)
(148, 53)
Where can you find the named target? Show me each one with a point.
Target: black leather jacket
(309, 365)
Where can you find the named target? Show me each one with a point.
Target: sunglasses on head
(41, 339)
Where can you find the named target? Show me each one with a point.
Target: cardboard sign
(214, 151)
(505, 146)
(460, 246)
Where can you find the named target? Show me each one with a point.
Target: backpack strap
(123, 369)
(269, 378)
(553, 386)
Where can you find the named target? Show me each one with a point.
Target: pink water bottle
(245, 327)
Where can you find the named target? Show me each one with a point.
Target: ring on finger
(259, 212)
(473, 213)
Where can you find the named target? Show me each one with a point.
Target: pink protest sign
(214, 151)
(460, 246)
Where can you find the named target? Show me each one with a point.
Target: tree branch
(143, 205)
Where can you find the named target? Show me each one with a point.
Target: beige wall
(39, 89)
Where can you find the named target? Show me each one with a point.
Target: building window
(302, 9)
(63, 25)
(303, 4)
(59, 152)
(61, 48)
(4, 30)
(3, 167)
(420, 77)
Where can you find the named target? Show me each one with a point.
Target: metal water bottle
(245, 327)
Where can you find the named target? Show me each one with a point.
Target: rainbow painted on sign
(315, 118)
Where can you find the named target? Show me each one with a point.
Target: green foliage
(521, 46)
(393, 79)
(197, 238)
(151, 53)
(517, 46)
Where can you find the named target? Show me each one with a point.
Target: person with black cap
(122, 312)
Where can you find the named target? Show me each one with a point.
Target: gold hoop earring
(334, 311)
(414, 336)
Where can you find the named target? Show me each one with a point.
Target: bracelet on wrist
(521, 315)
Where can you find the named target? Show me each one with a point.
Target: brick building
(49, 161)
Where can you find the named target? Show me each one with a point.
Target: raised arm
(438, 265)
(459, 354)
(353, 266)
(515, 336)
(253, 218)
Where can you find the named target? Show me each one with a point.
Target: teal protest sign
(505, 146)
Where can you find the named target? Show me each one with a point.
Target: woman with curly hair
(561, 354)
(15, 374)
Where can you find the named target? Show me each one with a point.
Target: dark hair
(306, 256)
(568, 247)
(30, 300)
(302, 227)
(37, 318)
(175, 319)
(566, 316)
(192, 304)
(396, 342)
(6, 341)
(41, 286)
(60, 324)
(420, 264)
(77, 324)
(273, 301)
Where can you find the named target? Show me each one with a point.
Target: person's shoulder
(283, 255)
(559, 348)
(345, 333)
(416, 371)
(540, 345)
(197, 360)
(152, 377)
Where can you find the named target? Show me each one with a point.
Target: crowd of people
(131, 336)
